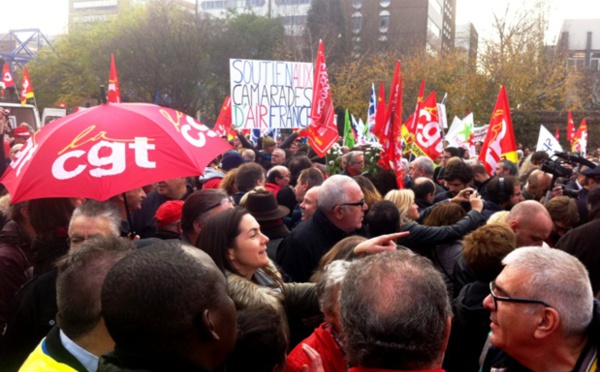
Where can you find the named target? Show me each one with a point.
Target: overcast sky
(51, 16)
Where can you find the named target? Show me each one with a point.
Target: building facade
(402, 25)
(467, 40)
(580, 39)
(292, 12)
(86, 11)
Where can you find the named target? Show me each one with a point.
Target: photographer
(582, 243)
(592, 179)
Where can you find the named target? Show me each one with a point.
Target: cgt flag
(322, 130)
(114, 93)
(500, 141)
(579, 143)
(396, 126)
(7, 78)
(570, 127)
(223, 124)
(26, 87)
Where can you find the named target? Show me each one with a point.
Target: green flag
(349, 140)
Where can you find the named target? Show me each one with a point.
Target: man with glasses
(340, 211)
(542, 314)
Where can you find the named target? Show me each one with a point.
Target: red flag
(579, 143)
(412, 125)
(26, 87)
(409, 127)
(396, 123)
(500, 141)
(7, 78)
(427, 138)
(322, 131)
(380, 114)
(114, 93)
(570, 127)
(223, 124)
(381, 129)
(557, 133)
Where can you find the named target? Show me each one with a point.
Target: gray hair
(334, 191)
(79, 283)
(328, 286)
(248, 155)
(280, 152)
(558, 279)
(425, 164)
(95, 209)
(352, 155)
(394, 310)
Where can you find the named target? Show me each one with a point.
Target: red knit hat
(168, 213)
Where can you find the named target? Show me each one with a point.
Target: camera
(556, 168)
(569, 192)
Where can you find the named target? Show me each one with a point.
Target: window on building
(94, 4)
(436, 6)
(384, 3)
(384, 21)
(356, 22)
(292, 2)
(433, 27)
(294, 20)
(357, 4)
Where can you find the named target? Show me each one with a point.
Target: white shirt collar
(87, 359)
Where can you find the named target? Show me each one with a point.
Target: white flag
(547, 142)
(461, 133)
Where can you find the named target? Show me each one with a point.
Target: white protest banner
(547, 142)
(479, 133)
(270, 94)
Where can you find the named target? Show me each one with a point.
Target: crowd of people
(267, 263)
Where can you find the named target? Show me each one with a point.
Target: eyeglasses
(357, 204)
(227, 200)
(497, 298)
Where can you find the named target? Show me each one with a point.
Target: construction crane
(17, 47)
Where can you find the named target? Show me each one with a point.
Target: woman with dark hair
(234, 241)
(444, 256)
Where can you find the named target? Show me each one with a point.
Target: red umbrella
(109, 149)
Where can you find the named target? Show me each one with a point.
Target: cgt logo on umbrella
(108, 149)
(108, 156)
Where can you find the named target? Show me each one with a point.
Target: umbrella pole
(132, 232)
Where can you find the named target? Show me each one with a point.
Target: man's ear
(548, 322)
(338, 212)
(205, 326)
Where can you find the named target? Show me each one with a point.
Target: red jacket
(323, 342)
(273, 187)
